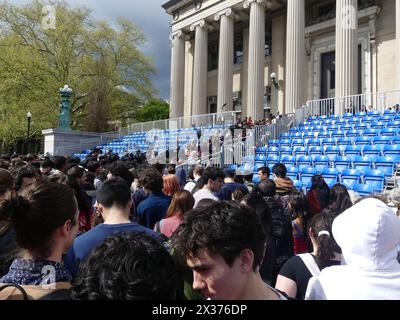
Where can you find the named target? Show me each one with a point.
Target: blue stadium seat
(300, 151)
(284, 136)
(324, 134)
(260, 159)
(372, 132)
(382, 140)
(396, 140)
(360, 127)
(378, 125)
(285, 143)
(288, 161)
(321, 162)
(354, 121)
(361, 114)
(346, 128)
(362, 163)
(332, 152)
(363, 189)
(273, 151)
(308, 135)
(272, 160)
(296, 135)
(341, 122)
(375, 114)
(328, 142)
(292, 173)
(314, 143)
(374, 150)
(375, 179)
(362, 141)
(341, 163)
(343, 142)
(261, 151)
(389, 132)
(304, 162)
(368, 120)
(391, 149)
(354, 133)
(349, 177)
(338, 134)
(394, 124)
(353, 150)
(330, 176)
(297, 143)
(347, 115)
(332, 128)
(314, 151)
(385, 165)
(286, 151)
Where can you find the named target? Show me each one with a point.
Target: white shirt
(203, 194)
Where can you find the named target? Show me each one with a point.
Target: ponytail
(320, 226)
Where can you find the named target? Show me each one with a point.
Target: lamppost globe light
(29, 115)
(274, 76)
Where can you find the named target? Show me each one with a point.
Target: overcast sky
(150, 17)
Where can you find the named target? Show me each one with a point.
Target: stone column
(245, 72)
(177, 74)
(225, 60)
(199, 104)
(346, 50)
(256, 70)
(295, 55)
(398, 43)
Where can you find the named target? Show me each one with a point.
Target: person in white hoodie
(369, 234)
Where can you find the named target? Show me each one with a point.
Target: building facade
(259, 56)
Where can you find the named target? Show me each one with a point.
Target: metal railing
(378, 101)
(83, 144)
(200, 121)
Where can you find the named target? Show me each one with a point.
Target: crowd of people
(121, 229)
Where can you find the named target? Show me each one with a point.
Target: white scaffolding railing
(201, 121)
(378, 101)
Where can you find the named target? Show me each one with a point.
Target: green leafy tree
(104, 66)
(154, 109)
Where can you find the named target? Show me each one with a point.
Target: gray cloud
(150, 17)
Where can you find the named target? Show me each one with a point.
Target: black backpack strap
(22, 290)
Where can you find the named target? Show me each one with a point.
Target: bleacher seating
(353, 150)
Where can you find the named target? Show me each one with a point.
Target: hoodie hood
(368, 234)
(283, 185)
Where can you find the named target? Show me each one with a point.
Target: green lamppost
(64, 119)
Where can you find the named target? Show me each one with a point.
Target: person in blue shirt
(113, 203)
(155, 206)
(230, 185)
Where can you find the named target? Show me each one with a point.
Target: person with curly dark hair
(155, 206)
(297, 271)
(136, 267)
(113, 203)
(224, 246)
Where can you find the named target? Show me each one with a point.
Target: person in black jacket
(281, 225)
